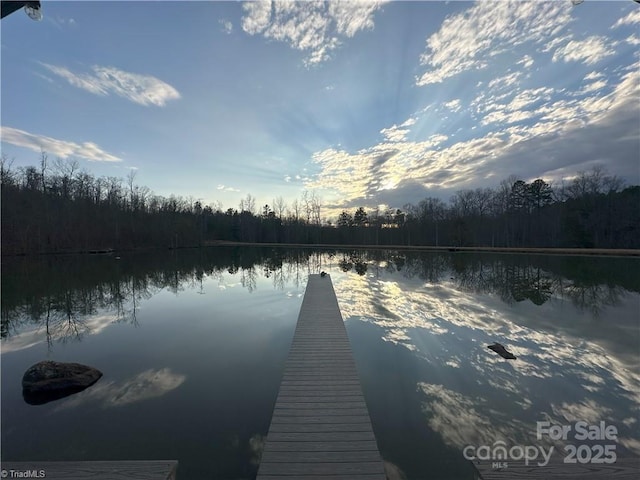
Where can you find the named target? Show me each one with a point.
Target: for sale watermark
(500, 454)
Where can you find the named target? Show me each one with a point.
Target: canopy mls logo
(500, 455)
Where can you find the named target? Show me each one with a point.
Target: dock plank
(322, 446)
(302, 469)
(351, 456)
(332, 437)
(320, 427)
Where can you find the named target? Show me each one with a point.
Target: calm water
(192, 346)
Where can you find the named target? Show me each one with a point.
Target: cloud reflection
(62, 329)
(146, 385)
(565, 372)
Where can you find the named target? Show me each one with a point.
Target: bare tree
(6, 174)
(130, 182)
(43, 169)
(316, 205)
(295, 209)
(279, 206)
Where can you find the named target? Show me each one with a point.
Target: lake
(192, 344)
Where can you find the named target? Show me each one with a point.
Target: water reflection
(419, 324)
(60, 292)
(149, 384)
(576, 340)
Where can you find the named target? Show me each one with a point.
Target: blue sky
(361, 103)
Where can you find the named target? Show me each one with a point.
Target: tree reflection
(60, 294)
(594, 298)
(356, 260)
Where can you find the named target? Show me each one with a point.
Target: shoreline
(611, 252)
(620, 252)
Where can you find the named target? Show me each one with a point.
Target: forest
(55, 207)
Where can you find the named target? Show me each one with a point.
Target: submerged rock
(500, 350)
(47, 381)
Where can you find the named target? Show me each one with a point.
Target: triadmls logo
(500, 453)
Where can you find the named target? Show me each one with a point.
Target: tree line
(56, 207)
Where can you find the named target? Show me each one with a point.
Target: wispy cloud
(526, 61)
(518, 108)
(398, 133)
(531, 128)
(594, 86)
(506, 80)
(315, 27)
(227, 189)
(631, 19)
(594, 75)
(589, 51)
(453, 105)
(395, 133)
(227, 26)
(61, 22)
(466, 40)
(519, 122)
(632, 40)
(60, 148)
(140, 89)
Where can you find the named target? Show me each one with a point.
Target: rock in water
(500, 350)
(48, 380)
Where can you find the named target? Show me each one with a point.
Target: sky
(360, 103)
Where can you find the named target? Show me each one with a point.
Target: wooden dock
(320, 427)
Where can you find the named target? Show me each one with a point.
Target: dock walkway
(320, 427)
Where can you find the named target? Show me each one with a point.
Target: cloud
(227, 189)
(631, 19)
(533, 132)
(60, 148)
(632, 40)
(518, 121)
(314, 27)
(395, 133)
(384, 166)
(140, 89)
(466, 40)
(61, 22)
(506, 80)
(589, 51)
(518, 109)
(593, 75)
(398, 133)
(594, 86)
(526, 61)
(227, 26)
(453, 105)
